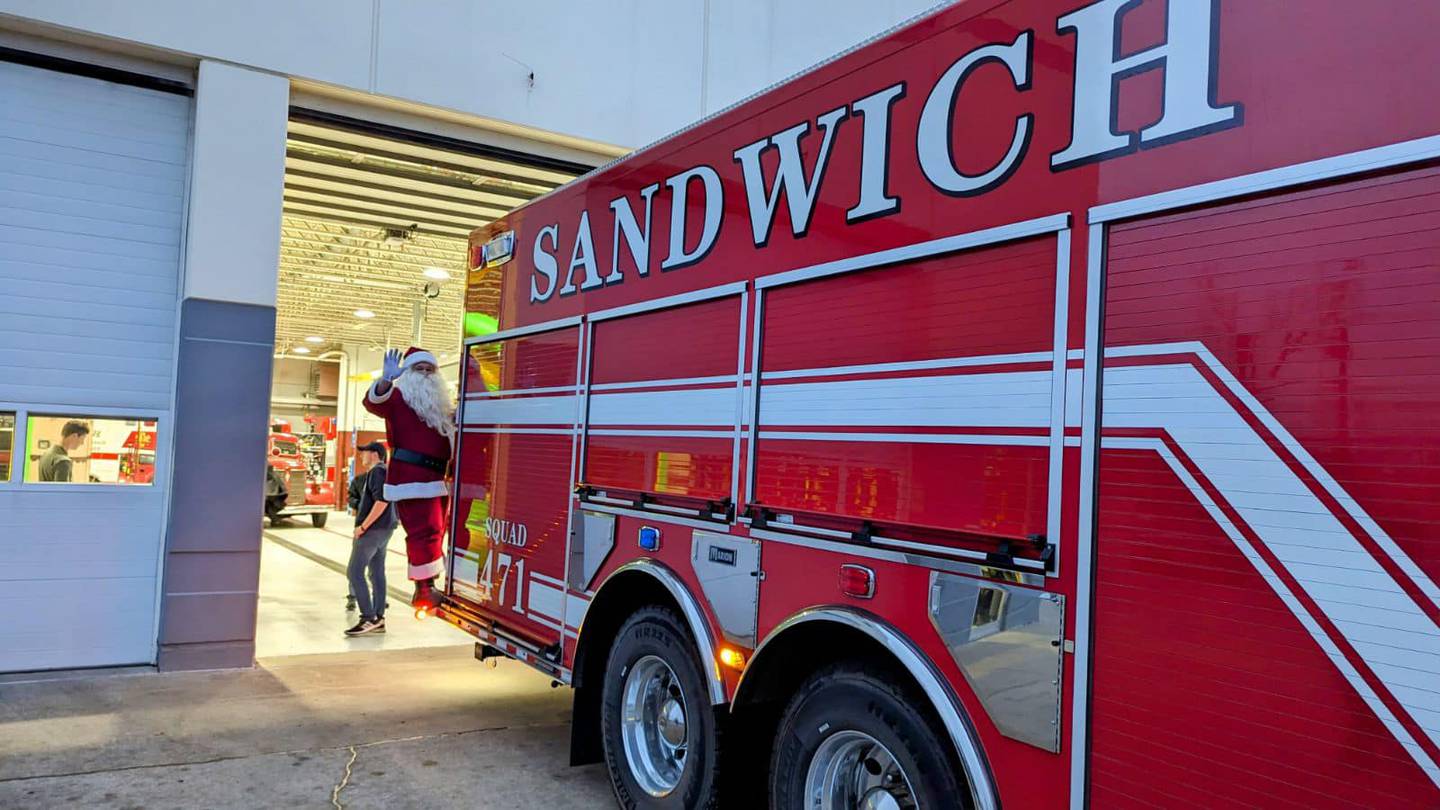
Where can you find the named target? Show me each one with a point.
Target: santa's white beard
(428, 397)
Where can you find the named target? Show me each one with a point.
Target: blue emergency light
(649, 538)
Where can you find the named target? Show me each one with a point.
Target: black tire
(655, 631)
(845, 697)
(319, 518)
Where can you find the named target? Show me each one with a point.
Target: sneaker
(367, 627)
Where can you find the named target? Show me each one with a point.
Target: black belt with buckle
(419, 459)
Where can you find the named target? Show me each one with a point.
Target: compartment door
(914, 398)
(663, 417)
(520, 411)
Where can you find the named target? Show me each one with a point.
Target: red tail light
(857, 581)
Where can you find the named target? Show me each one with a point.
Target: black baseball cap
(373, 447)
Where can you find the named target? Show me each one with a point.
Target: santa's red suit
(415, 477)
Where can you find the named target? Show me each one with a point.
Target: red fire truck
(1037, 407)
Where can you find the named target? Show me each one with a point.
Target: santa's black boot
(424, 594)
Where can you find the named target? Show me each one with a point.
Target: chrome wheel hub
(853, 771)
(653, 726)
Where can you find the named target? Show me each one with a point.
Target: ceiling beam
(335, 167)
(495, 170)
(457, 233)
(305, 177)
(466, 213)
(376, 218)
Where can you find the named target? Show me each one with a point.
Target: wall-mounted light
(364, 314)
(314, 339)
(437, 273)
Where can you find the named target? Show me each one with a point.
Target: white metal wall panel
(92, 194)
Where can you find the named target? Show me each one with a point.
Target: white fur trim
(434, 568)
(419, 357)
(415, 489)
(376, 397)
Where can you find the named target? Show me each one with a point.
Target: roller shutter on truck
(1233, 550)
(879, 395)
(92, 190)
(663, 405)
(520, 412)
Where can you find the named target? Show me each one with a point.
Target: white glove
(392, 367)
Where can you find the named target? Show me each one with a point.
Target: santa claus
(420, 428)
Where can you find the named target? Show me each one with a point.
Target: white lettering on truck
(507, 532)
(1188, 57)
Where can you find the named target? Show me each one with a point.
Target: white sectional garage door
(92, 191)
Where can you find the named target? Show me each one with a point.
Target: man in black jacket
(374, 523)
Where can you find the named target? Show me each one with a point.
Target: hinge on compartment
(864, 534)
(724, 506)
(1005, 555)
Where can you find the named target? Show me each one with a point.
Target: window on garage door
(81, 449)
(7, 445)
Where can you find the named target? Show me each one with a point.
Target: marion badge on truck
(724, 556)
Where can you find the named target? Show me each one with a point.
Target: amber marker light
(732, 658)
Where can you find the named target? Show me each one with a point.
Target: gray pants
(368, 554)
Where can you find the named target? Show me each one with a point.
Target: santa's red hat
(415, 354)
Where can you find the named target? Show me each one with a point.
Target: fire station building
(215, 217)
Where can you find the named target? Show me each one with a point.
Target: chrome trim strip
(694, 616)
(695, 296)
(1085, 524)
(694, 523)
(739, 401)
(719, 433)
(942, 697)
(753, 427)
(1058, 382)
(918, 250)
(1381, 157)
(903, 558)
(914, 365)
(587, 362)
(957, 552)
(673, 382)
(522, 331)
(514, 392)
(522, 431)
(911, 438)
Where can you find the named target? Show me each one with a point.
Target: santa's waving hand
(419, 426)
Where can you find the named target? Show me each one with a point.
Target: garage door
(92, 186)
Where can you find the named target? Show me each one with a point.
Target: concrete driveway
(425, 728)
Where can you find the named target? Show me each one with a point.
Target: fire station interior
(372, 256)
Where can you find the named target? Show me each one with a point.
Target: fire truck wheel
(662, 741)
(319, 518)
(851, 739)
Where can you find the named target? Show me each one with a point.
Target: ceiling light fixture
(314, 339)
(364, 314)
(437, 273)
(300, 350)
